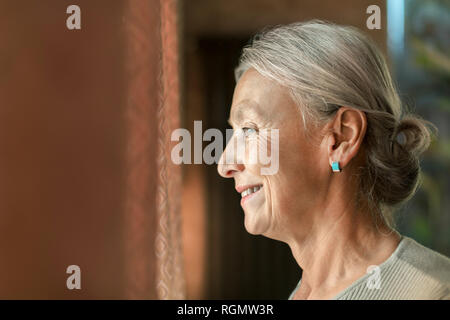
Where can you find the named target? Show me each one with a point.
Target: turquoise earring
(335, 166)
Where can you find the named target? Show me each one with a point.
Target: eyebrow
(238, 109)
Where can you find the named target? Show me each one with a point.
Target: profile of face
(272, 203)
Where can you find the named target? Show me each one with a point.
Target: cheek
(262, 153)
(298, 183)
(251, 160)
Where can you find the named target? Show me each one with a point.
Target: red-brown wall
(61, 149)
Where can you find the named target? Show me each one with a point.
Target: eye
(249, 131)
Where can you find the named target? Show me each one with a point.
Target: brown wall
(61, 144)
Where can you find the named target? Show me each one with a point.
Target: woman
(348, 155)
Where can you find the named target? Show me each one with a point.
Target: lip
(241, 188)
(249, 196)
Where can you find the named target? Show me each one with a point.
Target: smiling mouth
(250, 191)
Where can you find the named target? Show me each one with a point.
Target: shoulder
(427, 261)
(422, 270)
(413, 271)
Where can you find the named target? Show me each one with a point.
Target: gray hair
(326, 66)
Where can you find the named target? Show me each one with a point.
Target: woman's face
(286, 197)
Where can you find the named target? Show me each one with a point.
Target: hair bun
(413, 134)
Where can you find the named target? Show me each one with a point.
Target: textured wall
(82, 144)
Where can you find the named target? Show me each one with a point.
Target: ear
(346, 135)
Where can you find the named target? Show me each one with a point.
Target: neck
(339, 247)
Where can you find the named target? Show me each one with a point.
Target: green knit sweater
(411, 272)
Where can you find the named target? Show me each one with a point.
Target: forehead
(260, 96)
(252, 85)
(245, 107)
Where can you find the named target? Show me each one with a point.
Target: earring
(335, 166)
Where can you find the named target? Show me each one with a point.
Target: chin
(252, 231)
(256, 226)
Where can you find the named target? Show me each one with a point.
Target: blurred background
(85, 123)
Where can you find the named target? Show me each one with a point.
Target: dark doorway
(239, 265)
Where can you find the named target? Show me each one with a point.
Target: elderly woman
(348, 155)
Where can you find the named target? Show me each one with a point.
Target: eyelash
(248, 128)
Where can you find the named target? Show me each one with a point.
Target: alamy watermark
(243, 146)
(374, 280)
(73, 22)
(74, 280)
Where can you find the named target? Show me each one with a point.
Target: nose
(228, 163)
